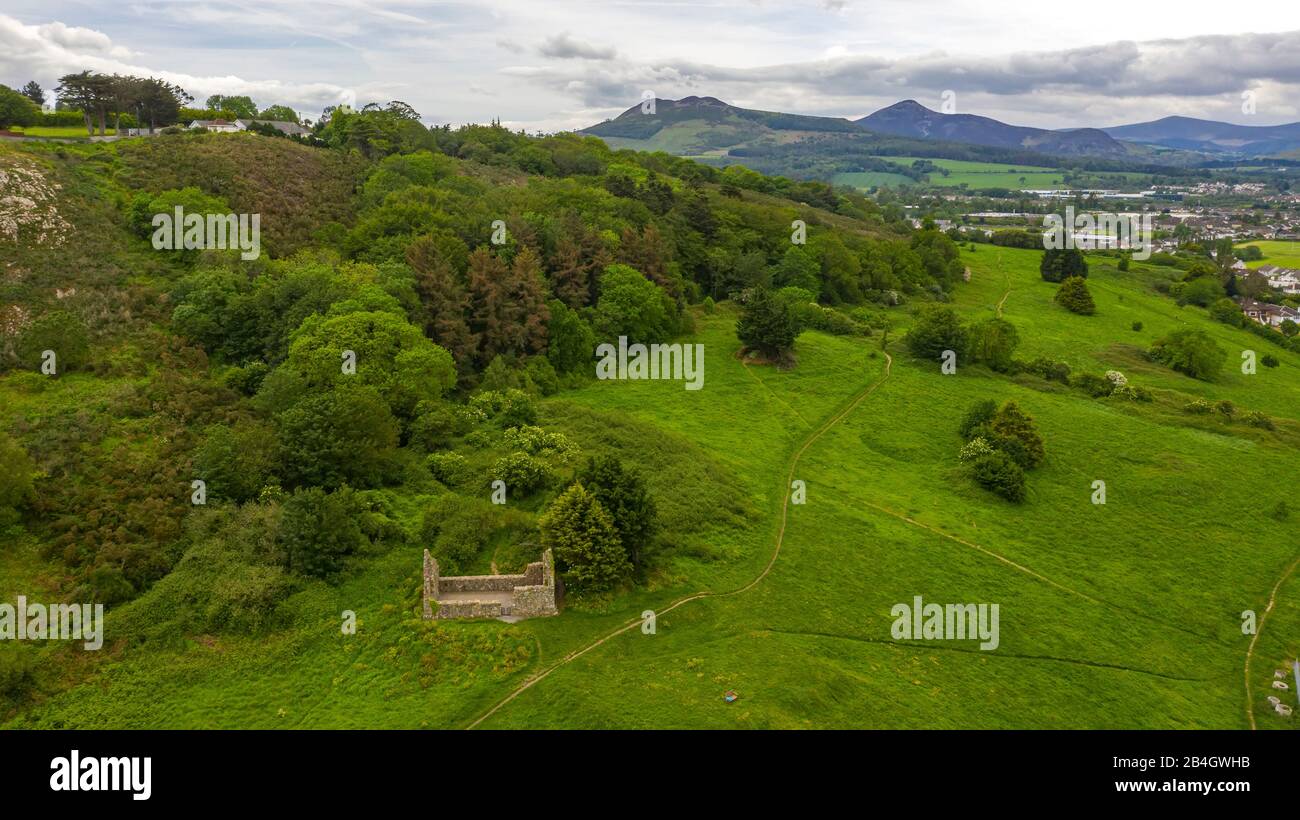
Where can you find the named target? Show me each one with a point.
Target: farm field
(865, 180)
(1285, 253)
(978, 175)
(987, 174)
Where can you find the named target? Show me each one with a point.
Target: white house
(1286, 280)
(220, 126)
(231, 126)
(1266, 314)
(283, 126)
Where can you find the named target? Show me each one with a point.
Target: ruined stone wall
(534, 602)
(534, 575)
(541, 597)
(536, 592)
(431, 586)
(481, 583)
(470, 609)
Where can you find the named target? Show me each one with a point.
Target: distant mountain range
(911, 119)
(714, 131)
(1210, 137)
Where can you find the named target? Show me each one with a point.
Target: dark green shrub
(1073, 295)
(1257, 419)
(1191, 352)
(17, 670)
(936, 329)
(320, 530)
(1012, 431)
(977, 418)
(767, 324)
(59, 331)
(1059, 265)
(1094, 385)
(522, 474)
(993, 342)
(1051, 370)
(1000, 474)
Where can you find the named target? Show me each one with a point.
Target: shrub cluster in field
(1001, 444)
(993, 342)
(1228, 412)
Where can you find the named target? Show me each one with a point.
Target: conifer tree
(585, 542)
(1073, 295)
(444, 303)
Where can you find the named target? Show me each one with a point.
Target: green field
(1122, 615)
(865, 180)
(987, 174)
(1276, 252)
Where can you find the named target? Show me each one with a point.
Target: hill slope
(1122, 615)
(911, 119)
(797, 146)
(1125, 614)
(1212, 137)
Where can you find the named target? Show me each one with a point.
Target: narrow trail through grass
(771, 561)
(1003, 300)
(1250, 650)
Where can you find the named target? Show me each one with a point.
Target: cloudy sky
(550, 65)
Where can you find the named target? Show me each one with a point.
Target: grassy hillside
(1123, 615)
(298, 190)
(1119, 615)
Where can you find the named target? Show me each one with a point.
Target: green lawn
(65, 131)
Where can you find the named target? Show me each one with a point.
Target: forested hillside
(470, 273)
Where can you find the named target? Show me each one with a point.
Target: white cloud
(54, 49)
(565, 64)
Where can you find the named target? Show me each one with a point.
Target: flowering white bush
(27, 209)
(975, 449)
(1116, 378)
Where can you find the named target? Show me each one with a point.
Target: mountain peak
(908, 106)
(908, 118)
(693, 100)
